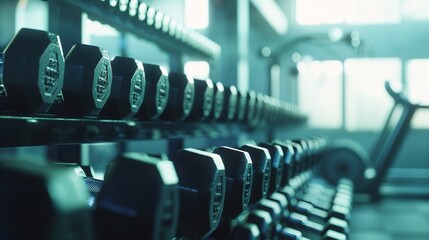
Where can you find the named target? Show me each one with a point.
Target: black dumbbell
(201, 190)
(262, 219)
(138, 200)
(230, 104)
(33, 70)
(181, 97)
(261, 160)
(259, 108)
(311, 229)
(251, 105)
(87, 80)
(241, 105)
(42, 201)
(203, 100)
(239, 176)
(219, 99)
(156, 93)
(288, 167)
(245, 231)
(128, 87)
(277, 165)
(276, 214)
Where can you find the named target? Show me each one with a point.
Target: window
(367, 102)
(197, 69)
(418, 87)
(197, 14)
(319, 92)
(316, 12)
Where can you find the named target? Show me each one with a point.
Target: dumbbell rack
(66, 134)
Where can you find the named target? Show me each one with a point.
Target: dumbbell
(219, 99)
(156, 92)
(138, 199)
(241, 106)
(239, 176)
(277, 165)
(201, 190)
(203, 100)
(33, 70)
(42, 201)
(245, 231)
(128, 87)
(261, 160)
(259, 108)
(288, 163)
(181, 97)
(250, 107)
(230, 104)
(87, 80)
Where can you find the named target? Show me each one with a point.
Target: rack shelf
(148, 23)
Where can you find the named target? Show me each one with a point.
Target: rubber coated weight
(245, 231)
(251, 105)
(263, 220)
(156, 93)
(139, 199)
(33, 70)
(230, 104)
(87, 80)
(261, 160)
(219, 99)
(288, 170)
(42, 201)
(128, 87)
(181, 97)
(201, 190)
(239, 178)
(277, 164)
(203, 100)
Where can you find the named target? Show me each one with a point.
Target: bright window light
(322, 80)
(418, 85)
(317, 12)
(367, 102)
(197, 14)
(416, 9)
(373, 11)
(197, 69)
(96, 28)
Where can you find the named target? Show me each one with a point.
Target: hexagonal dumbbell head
(277, 164)
(201, 190)
(245, 231)
(87, 80)
(203, 100)
(251, 106)
(241, 105)
(219, 99)
(128, 87)
(139, 199)
(261, 171)
(287, 160)
(156, 92)
(181, 99)
(263, 220)
(230, 104)
(239, 176)
(33, 70)
(49, 202)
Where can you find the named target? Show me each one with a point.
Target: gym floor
(391, 219)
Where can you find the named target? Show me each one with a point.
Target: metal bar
(390, 149)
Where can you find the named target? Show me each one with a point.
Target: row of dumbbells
(263, 191)
(37, 79)
(156, 21)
